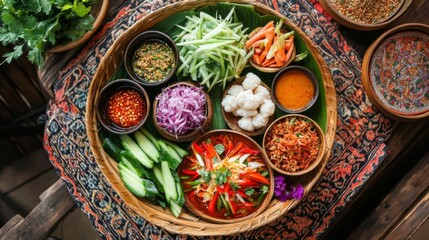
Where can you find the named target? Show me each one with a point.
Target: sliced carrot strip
(289, 53)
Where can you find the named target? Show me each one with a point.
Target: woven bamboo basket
(188, 223)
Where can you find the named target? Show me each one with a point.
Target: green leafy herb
(219, 148)
(264, 173)
(222, 175)
(35, 25)
(206, 175)
(298, 134)
(249, 191)
(264, 189)
(234, 186)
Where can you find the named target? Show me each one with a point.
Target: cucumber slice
(147, 146)
(151, 176)
(175, 208)
(139, 186)
(151, 190)
(112, 149)
(158, 174)
(180, 194)
(128, 161)
(151, 138)
(169, 183)
(129, 144)
(182, 152)
(133, 184)
(169, 155)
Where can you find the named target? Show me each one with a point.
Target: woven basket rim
(188, 223)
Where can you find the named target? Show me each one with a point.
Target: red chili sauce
(125, 108)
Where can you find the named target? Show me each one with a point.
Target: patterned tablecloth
(358, 150)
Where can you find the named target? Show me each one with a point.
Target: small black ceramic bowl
(104, 97)
(297, 89)
(136, 43)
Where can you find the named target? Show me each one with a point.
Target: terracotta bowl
(193, 134)
(381, 101)
(321, 144)
(103, 97)
(265, 202)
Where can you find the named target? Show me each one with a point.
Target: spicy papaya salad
(225, 176)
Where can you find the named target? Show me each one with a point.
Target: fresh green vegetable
(128, 161)
(151, 138)
(129, 144)
(169, 184)
(111, 149)
(147, 146)
(139, 186)
(36, 25)
(212, 49)
(170, 155)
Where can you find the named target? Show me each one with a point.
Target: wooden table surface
(393, 202)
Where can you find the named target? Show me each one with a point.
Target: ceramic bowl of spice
(367, 15)
(295, 89)
(294, 144)
(151, 58)
(182, 112)
(122, 106)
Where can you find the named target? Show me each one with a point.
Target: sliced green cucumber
(182, 152)
(139, 186)
(151, 176)
(158, 174)
(128, 160)
(129, 144)
(147, 146)
(169, 183)
(151, 138)
(180, 194)
(175, 208)
(170, 155)
(112, 149)
(151, 190)
(133, 183)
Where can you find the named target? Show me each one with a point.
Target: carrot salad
(272, 48)
(293, 144)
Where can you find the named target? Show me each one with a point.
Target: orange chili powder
(294, 90)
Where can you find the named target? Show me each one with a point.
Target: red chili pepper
(197, 148)
(236, 149)
(257, 177)
(247, 150)
(241, 193)
(247, 183)
(190, 172)
(213, 202)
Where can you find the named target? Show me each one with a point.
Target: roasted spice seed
(366, 11)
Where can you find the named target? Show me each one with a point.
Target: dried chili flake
(126, 108)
